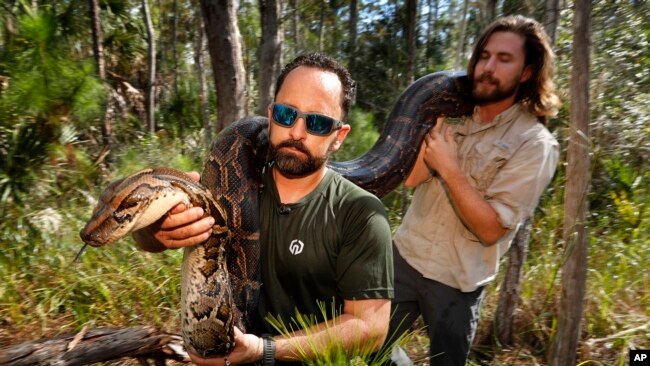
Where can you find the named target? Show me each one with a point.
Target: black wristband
(268, 356)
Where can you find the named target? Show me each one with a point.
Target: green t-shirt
(334, 244)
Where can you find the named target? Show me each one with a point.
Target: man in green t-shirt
(322, 239)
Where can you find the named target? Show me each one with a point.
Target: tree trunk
(460, 51)
(203, 84)
(177, 94)
(294, 27)
(352, 34)
(490, 12)
(321, 26)
(97, 345)
(100, 63)
(432, 33)
(574, 271)
(224, 44)
(552, 18)
(269, 52)
(510, 290)
(411, 21)
(151, 65)
(98, 45)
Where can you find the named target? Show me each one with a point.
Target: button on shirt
(510, 161)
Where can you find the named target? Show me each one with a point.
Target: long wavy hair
(537, 94)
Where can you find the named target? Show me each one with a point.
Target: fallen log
(98, 345)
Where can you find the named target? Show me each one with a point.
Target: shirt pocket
(485, 160)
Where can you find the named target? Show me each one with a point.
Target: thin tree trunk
(151, 64)
(411, 21)
(430, 30)
(161, 47)
(460, 51)
(574, 271)
(269, 52)
(224, 44)
(321, 26)
(352, 33)
(490, 11)
(510, 290)
(98, 51)
(294, 27)
(177, 94)
(98, 45)
(203, 84)
(552, 18)
(432, 35)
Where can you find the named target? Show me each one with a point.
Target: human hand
(180, 227)
(249, 348)
(440, 152)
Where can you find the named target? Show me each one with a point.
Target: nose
(299, 129)
(490, 63)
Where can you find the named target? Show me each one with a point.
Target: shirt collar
(475, 125)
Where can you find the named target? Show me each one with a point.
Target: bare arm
(420, 172)
(475, 212)
(362, 325)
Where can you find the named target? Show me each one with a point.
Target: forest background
(92, 90)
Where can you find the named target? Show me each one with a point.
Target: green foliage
(47, 92)
(22, 148)
(46, 83)
(51, 106)
(335, 352)
(363, 135)
(44, 289)
(161, 150)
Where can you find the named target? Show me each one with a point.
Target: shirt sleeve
(517, 187)
(364, 266)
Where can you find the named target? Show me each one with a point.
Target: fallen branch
(618, 335)
(97, 345)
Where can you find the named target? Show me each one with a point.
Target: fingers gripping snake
(220, 278)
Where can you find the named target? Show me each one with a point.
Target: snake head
(130, 204)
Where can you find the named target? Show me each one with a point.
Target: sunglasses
(317, 124)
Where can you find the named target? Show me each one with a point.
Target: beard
(499, 93)
(292, 165)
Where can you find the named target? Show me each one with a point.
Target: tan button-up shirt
(510, 161)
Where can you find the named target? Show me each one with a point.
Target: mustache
(298, 145)
(485, 77)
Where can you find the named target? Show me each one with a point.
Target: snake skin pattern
(220, 278)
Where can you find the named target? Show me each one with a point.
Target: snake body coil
(220, 278)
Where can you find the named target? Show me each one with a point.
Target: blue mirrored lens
(284, 115)
(318, 124)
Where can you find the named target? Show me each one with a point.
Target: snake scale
(220, 278)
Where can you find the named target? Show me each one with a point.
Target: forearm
(475, 212)
(365, 332)
(420, 172)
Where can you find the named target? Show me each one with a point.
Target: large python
(220, 278)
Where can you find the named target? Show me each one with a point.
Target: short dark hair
(537, 94)
(324, 63)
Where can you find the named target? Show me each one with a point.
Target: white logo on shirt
(296, 246)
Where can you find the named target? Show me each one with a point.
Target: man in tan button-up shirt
(475, 184)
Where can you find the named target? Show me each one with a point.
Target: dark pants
(450, 316)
